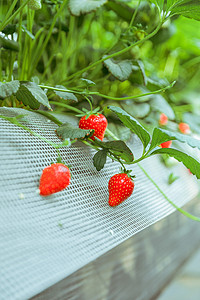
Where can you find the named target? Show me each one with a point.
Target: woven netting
(45, 239)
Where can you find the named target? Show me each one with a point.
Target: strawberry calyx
(87, 113)
(60, 161)
(127, 172)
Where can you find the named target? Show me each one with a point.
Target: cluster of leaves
(118, 150)
(121, 49)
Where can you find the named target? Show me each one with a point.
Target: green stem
(66, 106)
(135, 96)
(185, 213)
(59, 90)
(48, 36)
(6, 22)
(30, 41)
(134, 15)
(11, 64)
(117, 159)
(10, 10)
(88, 100)
(114, 54)
(109, 97)
(110, 133)
(90, 145)
(19, 39)
(14, 121)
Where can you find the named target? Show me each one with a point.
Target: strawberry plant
(122, 68)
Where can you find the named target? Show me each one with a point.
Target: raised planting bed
(72, 244)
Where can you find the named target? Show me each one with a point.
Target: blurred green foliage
(51, 54)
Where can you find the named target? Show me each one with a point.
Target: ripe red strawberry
(184, 128)
(163, 119)
(166, 144)
(120, 187)
(55, 178)
(97, 122)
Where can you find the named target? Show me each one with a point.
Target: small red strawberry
(166, 144)
(184, 128)
(55, 178)
(163, 119)
(120, 187)
(97, 122)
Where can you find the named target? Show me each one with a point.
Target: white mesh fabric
(45, 239)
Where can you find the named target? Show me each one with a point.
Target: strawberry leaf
(162, 135)
(65, 95)
(159, 4)
(121, 9)
(132, 124)
(67, 131)
(31, 94)
(88, 82)
(187, 160)
(99, 159)
(119, 148)
(121, 70)
(186, 8)
(8, 88)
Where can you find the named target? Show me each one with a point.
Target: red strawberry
(166, 144)
(163, 119)
(184, 128)
(97, 122)
(55, 178)
(120, 187)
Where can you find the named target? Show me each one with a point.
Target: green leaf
(65, 95)
(187, 160)
(158, 3)
(141, 66)
(139, 110)
(10, 29)
(49, 116)
(31, 94)
(121, 70)
(28, 32)
(78, 7)
(121, 9)
(187, 8)
(162, 135)
(88, 82)
(9, 88)
(132, 124)
(9, 44)
(120, 131)
(99, 159)
(172, 178)
(160, 104)
(119, 148)
(66, 131)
